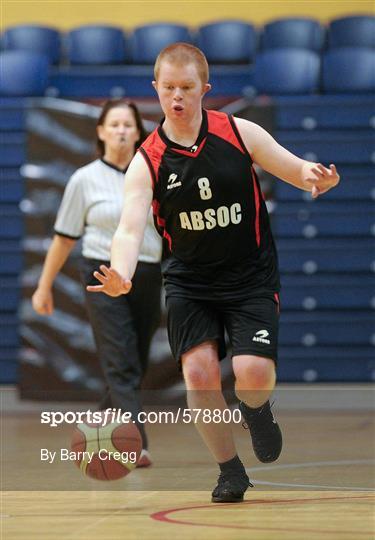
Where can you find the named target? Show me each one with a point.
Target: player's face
(119, 130)
(180, 90)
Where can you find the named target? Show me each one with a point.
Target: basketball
(106, 451)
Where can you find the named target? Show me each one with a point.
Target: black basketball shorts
(251, 324)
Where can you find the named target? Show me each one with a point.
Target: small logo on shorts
(261, 337)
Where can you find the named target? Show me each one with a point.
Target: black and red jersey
(208, 204)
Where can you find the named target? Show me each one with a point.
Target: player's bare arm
(128, 237)
(275, 159)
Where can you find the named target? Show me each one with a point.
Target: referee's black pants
(123, 327)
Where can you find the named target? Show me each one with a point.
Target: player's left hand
(112, 283)
(320, 179)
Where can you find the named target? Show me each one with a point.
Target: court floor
(322, 487)
(188, 515)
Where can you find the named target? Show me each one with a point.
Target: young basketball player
(196, 169)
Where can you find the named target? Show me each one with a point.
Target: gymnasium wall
(128, 14)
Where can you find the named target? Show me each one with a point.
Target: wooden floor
(321, 487)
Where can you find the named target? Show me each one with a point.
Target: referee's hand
(111, 282)
(42, 301)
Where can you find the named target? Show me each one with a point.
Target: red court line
(163, 515)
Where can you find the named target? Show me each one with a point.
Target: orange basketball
(106, 452)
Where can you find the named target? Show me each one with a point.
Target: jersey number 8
(204, 189)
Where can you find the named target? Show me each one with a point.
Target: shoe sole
(273, 457)
(144, 464)
(227, 499)
(263, 459)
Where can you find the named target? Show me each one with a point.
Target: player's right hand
(111, 282)
(42, 301)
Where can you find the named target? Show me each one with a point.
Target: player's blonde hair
(181, 54)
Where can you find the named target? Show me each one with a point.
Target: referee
(91, 209)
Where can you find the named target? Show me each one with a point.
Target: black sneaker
(231, 487)
(264, 430)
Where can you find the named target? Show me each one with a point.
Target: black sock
(232, 464)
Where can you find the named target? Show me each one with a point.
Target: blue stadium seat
(33, 38)
(349, 70)
(11, 254)
(345, 146)
(314, 112)
(147, 41)
(9, 334)
(23, 73)
(334, 328)
(286, 225)
(96, 45)
(100, 81)
(294, 32)
(330, 219)
(9, 365)
(227, 42)
(326, 363)
(332, 291)
(349, 189)
(10, 293)
(11, 222)
(320, 256)
(357, 31)
(286, 71)
(359, 172)
(13, 149)
(12, 114)
(11, 185)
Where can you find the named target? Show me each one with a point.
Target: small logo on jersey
(261, 337)
(172, 181)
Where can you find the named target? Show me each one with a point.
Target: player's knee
(198, 378)
(254, 373)
(201, 372)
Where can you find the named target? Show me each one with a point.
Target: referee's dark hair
(113, 104)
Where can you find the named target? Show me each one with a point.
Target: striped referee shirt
(91, 208)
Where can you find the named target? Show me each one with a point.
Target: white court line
(311, 464)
